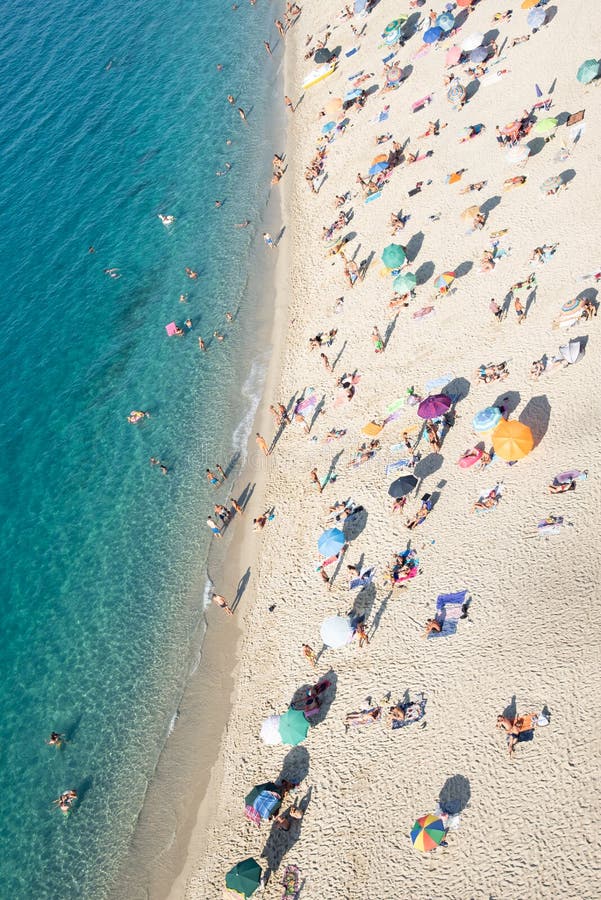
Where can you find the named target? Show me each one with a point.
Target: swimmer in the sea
(167, 220)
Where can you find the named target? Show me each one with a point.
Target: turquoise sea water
(111, 113)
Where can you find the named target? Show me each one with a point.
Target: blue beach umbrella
(432, 35)
(445, 21)
(536, 17)
(329, 126)
(356, 92)
(331, 542)
(487, 419)
(379, 167)
(479, 54)
(588, 71)
(359, 6)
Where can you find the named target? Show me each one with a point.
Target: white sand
(530, 827)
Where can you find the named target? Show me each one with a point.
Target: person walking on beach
(262, 444)
(519, 310)
(267, 47)
(268, 240)
(214, 527)
(310, 655)
(220, 601)
(362, 634)
(326, 362)
(496, 310)
(289, 104)
(236, 506)
(222, 512)
(315, 479)
(377, 340)
(221, 472)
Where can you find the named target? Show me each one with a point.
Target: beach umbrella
(336, 631)
(379, 167)
(517, 154)
(470, 213)
(270, 731)
(262, 801)
(391, 38)
(486, 419)
(394, 75)
(588, 71)
(434, 406)
(528, 4)
(453, 55)
(432, 35)
(333, 105)
(536, 17)
(244, 878)
(331, 542)
(404, 283)
(472, 41)
(512, 440)
(463, 4)
(479, 54)
(428, 833)
(352, 95)
(511, 129)
(359, 6)
(545, 126)
(402, 486)
(445, 21)
(571, 352)
(443, 281)
(456, 93)
(293, 727)
(393, 256)
(395, 25)
(571, 305)
(381, 157)
(329, 126)
(551, 184)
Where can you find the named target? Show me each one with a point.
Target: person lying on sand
(488, 502)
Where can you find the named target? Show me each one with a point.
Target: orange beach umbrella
(512, 440)
(333, 105)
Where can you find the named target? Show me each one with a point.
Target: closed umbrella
(293, 727)
(486, 419)
(479, 54)
(404, 283)
(428, 833)
(432, 35)
(336, 631)
(443, 281)
(445, 21)
(333, 105)
(331, 542)
(536, 17)
(588, 71)
(551, 184)
(472, 41)
(545, 126)
(512, 440)
(517, 154)
(434, 406)
(393, 256)
(470, 213)
(245, 877)
(453, 55)
(571, 352)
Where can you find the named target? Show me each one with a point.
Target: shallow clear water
(111, 113)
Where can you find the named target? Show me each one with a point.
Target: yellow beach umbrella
(470, 213)
(333, 105)
(512, 440)
(528, 4)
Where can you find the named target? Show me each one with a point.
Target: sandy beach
(522, 826)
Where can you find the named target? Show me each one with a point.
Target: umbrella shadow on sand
(567, 175)
(295, 767)
(364, 602)
(535, 145)
(355, 523)
(490, 204)
(458, 389)
(509, 401)
(326, 699)
(425, 272)
(414, 246)
(536, 415)
(464, 268)
(454, 795)
(428, 465)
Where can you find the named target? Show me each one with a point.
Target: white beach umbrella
(270, 731)
(472, 41)
(336, 631)
(571, 352)
(517, 154)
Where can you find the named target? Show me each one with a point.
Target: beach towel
(424, 312)
(395, 405)
(546, 528)
(414, 711)
(438, 383)
(449, 609)
(372, 429)
(307, 403)
(456, 599)
(399, 464)
(366, 576)
(393, 416)
(374, 196)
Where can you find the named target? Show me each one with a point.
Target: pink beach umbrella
(453, 56)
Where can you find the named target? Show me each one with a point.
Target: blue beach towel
(440, 382)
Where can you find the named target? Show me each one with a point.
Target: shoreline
(211, 686)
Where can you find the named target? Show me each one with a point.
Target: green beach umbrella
(544, 126)
(393, 256)
(395, 24)
(404, 283)
(244, 878)
(293, 727)
(588, 71)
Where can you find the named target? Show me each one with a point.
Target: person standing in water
(242, 115)
(56, 739)
(262, 444)
(220, 601)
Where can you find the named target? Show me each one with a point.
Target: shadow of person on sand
(242, 585)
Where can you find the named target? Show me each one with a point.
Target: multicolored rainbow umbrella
(571, 305)
(456, 93)
(443, 281)
(428, 833)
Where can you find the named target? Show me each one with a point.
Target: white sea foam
(252, 390)
(173, 723)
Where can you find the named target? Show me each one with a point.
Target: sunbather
(364, 717)
(432, 625)
(421, 515)
(488, 502)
